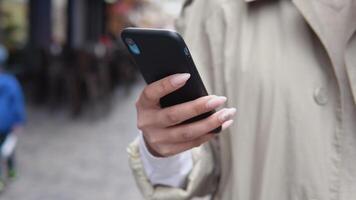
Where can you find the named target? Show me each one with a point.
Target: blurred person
(290, 69)
(12, 117)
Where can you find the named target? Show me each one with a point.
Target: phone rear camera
(132, 46)
(186, 51)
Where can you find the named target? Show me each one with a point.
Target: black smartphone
(159, 53)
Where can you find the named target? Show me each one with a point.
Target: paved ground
(83, 159)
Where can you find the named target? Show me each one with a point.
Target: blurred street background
(80, 86)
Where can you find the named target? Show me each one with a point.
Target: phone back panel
(163, 53)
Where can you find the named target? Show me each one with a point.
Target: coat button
(320, 96)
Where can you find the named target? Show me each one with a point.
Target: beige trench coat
(270, 59)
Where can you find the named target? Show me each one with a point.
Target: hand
(161, 128)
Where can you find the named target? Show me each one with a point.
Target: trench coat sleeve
(201, 30)
(199, 181)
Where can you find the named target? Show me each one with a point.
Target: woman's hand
(159, 127)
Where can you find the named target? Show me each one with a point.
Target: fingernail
(179, 79)
(216, 102)
(227, 124)
(227, 114)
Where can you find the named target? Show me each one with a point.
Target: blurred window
(13, 23)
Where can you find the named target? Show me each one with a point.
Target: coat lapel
(305, 8)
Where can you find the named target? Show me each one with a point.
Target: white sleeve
(170, 171)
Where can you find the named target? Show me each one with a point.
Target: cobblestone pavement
(60, 158)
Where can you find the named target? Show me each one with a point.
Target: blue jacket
(12, 108)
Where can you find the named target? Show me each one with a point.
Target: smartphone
(159, 53)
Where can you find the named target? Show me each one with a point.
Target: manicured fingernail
(227, 114)
(227, 124)
(179, 79)
(215, 102)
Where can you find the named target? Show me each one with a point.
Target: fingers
(154, 91)
(197, 129)
(227, 124)
(176, 114)
(173, 140)
(172, 149)
(161, 127)
(164, 149)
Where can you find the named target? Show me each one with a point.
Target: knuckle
(146, 93)
(142, 124)
(172, 117)
(153, 139)
(198, 109)
(163, 86)
(214, 121)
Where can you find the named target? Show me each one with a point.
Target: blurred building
(69, 51)
(79, 21)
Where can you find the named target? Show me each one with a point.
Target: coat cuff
(170, 171)
(201, 181)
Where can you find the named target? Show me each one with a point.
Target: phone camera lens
(132, 46)
(186, 51)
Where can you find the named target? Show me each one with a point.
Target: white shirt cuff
(170, 171)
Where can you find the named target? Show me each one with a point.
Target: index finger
(156, 90)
